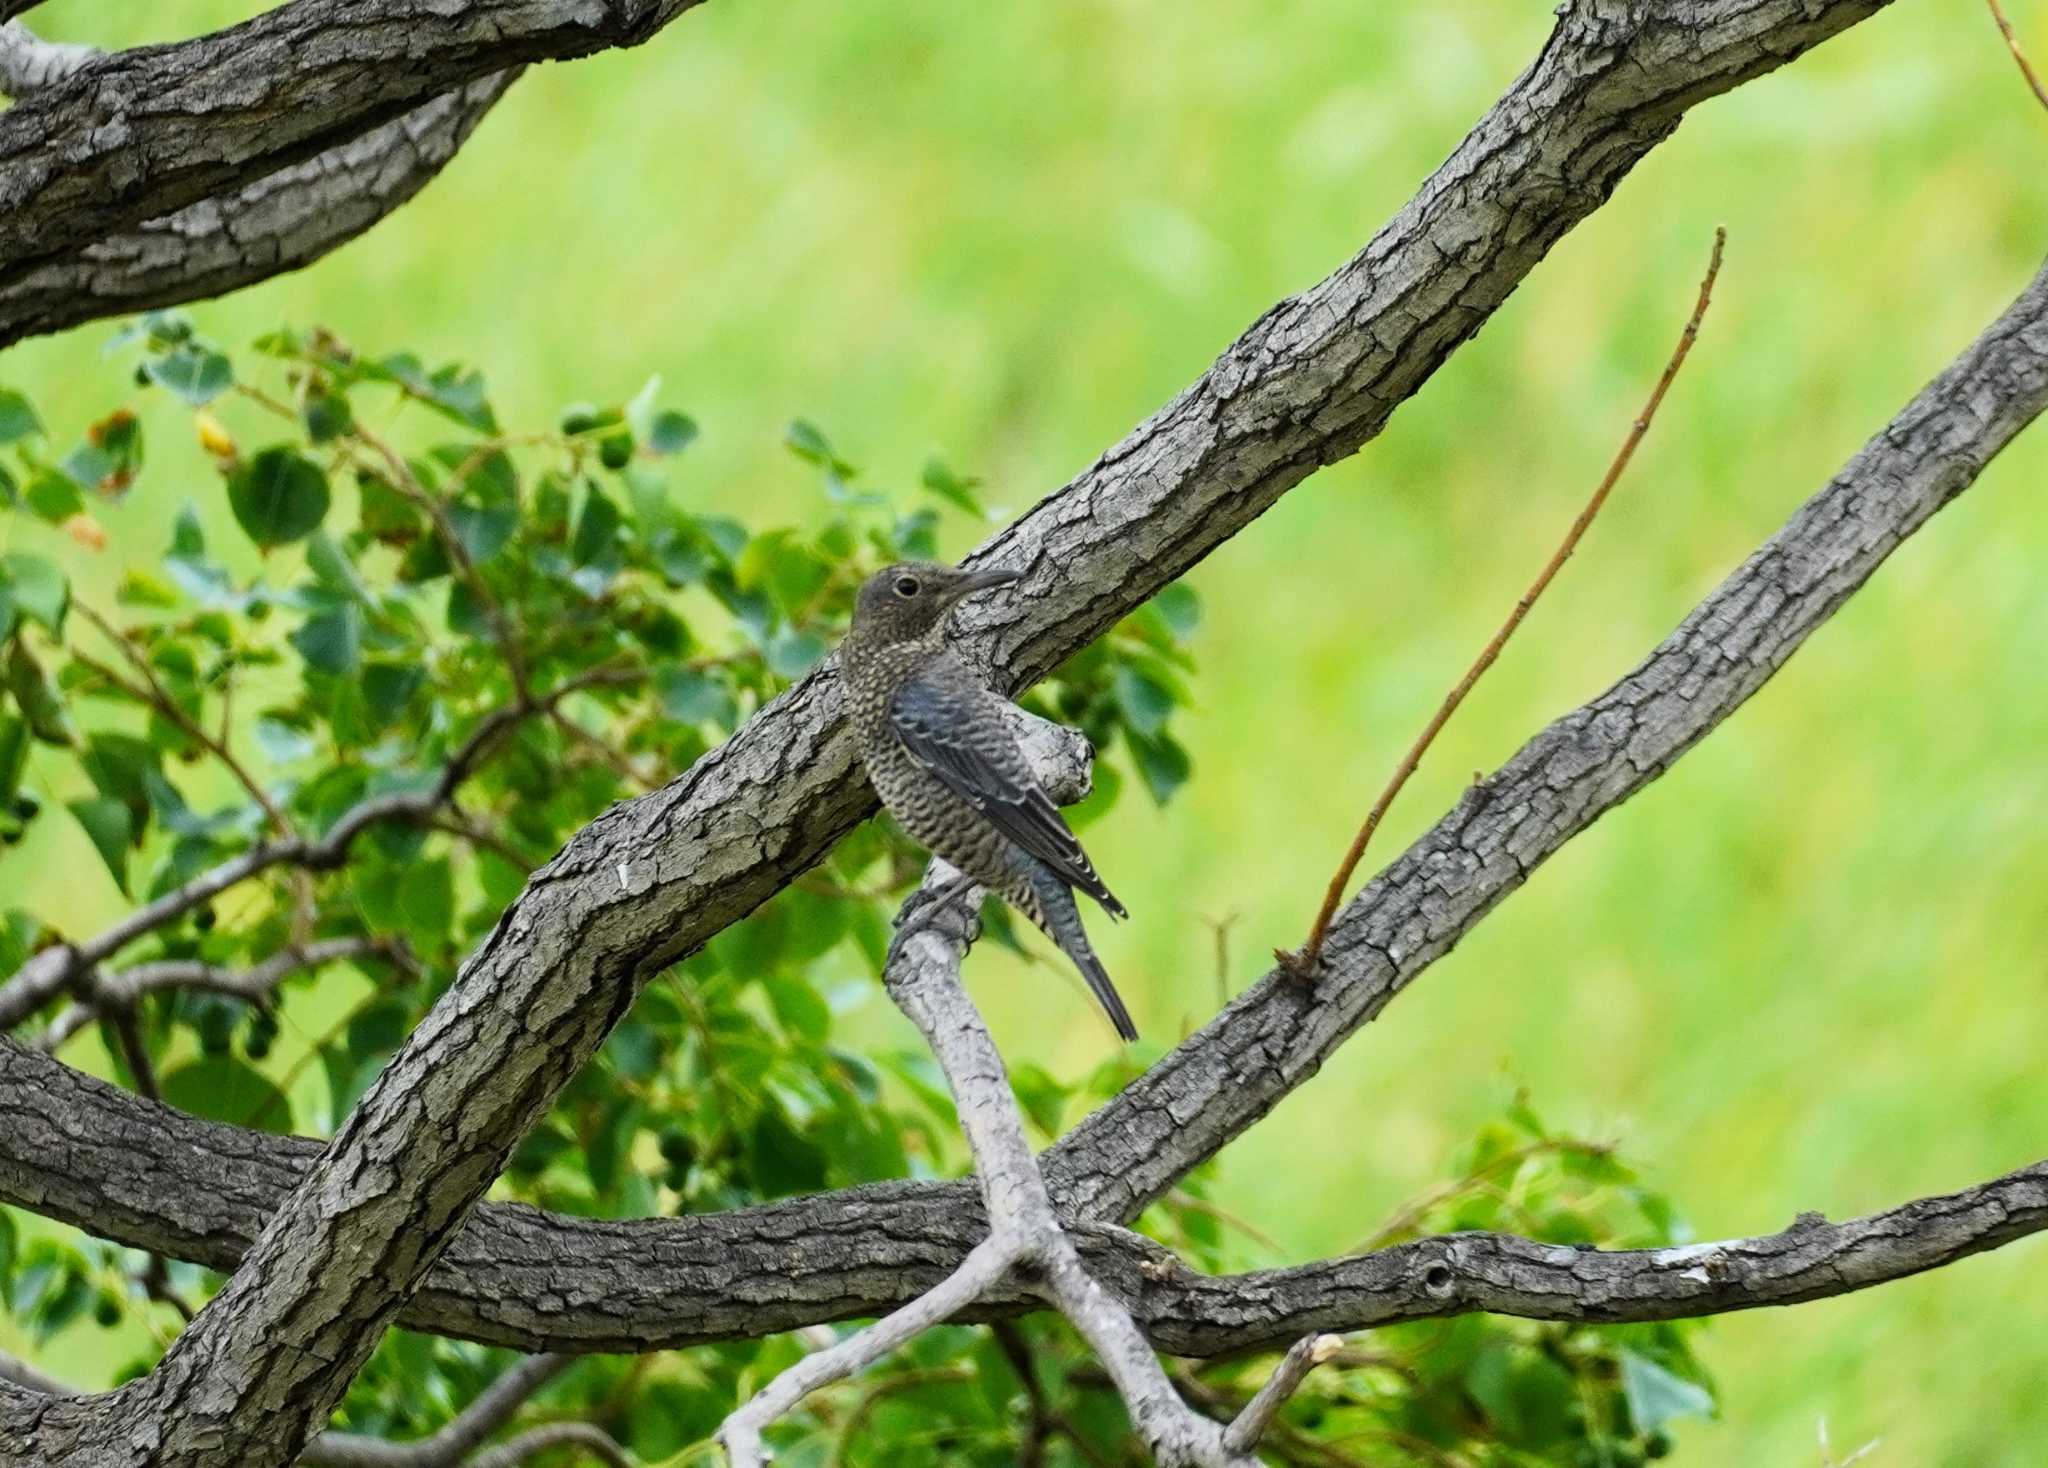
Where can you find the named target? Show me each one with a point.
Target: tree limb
(269, 226)
(66, 966)
(139, 134)
(649, 881)
(119, 990)
(463, 1434)
(76, 1149)
(1025, 1239)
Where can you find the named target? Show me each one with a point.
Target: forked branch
(1026, 1246)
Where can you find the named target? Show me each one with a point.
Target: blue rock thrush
(944, 762)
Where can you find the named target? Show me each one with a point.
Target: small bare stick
(1305, 960)
(2012, 44)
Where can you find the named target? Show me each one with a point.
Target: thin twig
(54, 969)
(156, 696)
(117, 992)
(1302, 1357)
(1305, 960)
(2012, 44)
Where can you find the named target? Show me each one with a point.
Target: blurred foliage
(428, 589)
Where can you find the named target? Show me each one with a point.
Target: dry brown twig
(1303, 961)
(2012, 44)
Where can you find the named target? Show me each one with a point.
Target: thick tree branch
(454, 1443)
(1025, 1238)
(653, 879)
(140, 134)
(78, 1150)
(266, 227)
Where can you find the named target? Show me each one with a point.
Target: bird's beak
(974, 581)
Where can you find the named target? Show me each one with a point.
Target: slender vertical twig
(1305, 960)
(2012, 44)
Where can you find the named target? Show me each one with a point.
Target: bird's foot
(937, 901)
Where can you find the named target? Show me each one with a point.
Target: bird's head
(906, 601)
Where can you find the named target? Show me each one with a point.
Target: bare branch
(269, 226)
(140, 134)
(1312, 951)
(1302, 1357)
(56, 969)
(2012, 44)
(118, 991)
(1455, 1274)
(69, 1149)
(491, 1410)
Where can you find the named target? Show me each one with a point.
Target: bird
(944, 762)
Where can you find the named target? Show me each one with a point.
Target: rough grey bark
(275, 224)
(463, 1435)
(937, 925)
(142, 133)
(77, 1149)
(1311, 381)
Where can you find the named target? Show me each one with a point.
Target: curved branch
(491, 1410)
(493, 1407)
(268, 227)
(139, 134)
(76, 1149)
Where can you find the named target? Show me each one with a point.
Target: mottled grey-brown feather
(944, 762)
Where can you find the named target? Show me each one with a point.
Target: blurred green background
(1804, 971)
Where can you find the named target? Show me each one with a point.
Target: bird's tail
(1062, 921)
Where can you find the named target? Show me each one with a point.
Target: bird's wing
(947, 727)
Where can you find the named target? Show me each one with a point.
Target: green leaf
(1181, 606)
(1143, 702)
(188, 537)
(1656, 1396)
(694, 697)
(791, 654)
(119, 766)
(804, 439)
(195, 373)
(450, 389)
(31, 586)
(388, 689)
(333, 641)
(17, 418)
(670, 432)
(1161, 762)
(954, 489)
(328, 416)
(106, 821)
(53, 496)
(597, 530)
(279, 496)
(37, 697)
(225, 1088)
(13, 758)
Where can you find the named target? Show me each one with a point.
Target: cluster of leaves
(374, 585)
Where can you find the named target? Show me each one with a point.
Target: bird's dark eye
(907, 586)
